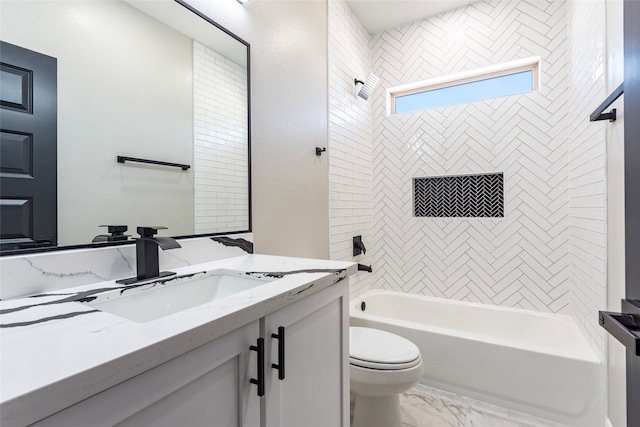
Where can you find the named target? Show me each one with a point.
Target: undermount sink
(156, 299)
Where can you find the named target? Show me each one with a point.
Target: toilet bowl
(381, 365)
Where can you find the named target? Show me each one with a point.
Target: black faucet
(116, 234)
(147, 264)
(362, 267)
(358, 246)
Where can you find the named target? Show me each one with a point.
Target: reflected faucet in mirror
(115, 234)
(147, 263)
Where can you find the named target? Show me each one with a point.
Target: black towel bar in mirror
(122, 159)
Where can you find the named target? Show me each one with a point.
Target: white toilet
(382, 365)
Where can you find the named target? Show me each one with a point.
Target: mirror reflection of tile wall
(220, 142)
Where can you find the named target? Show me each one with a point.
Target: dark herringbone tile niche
(465, 196)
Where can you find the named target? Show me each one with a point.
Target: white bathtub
(528, 361)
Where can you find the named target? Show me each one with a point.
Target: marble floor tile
(424, 406)
(419, 409)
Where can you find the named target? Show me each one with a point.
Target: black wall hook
(319, 151)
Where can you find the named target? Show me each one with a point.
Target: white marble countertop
(56, 351)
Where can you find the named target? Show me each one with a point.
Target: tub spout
(362, 267)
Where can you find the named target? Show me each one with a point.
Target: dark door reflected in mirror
(151, 80)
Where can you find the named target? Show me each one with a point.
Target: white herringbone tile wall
(221, 155)
(522, 259)
(349, 141)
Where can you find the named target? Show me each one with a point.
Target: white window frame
(513, 67)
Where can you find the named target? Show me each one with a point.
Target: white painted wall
(289, 110)
(98, 118)
(616, 360)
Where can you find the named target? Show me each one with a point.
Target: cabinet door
(208, 386)
(315, 388)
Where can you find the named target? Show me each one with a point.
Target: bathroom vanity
(273, 354)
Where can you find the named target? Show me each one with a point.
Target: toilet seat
(377, 349)
(384, 366)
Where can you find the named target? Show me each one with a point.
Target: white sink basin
(142, 303)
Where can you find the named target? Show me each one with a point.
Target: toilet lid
(373, 348)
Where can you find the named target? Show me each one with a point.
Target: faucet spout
(362, 267)
(147, 261)
(167, 243)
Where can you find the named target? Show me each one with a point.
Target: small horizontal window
(491, 82)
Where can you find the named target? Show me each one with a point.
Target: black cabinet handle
(280, 365)
(259, 347)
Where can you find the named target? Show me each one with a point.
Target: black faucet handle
(358, 246)
(149, 231)
(115, 230)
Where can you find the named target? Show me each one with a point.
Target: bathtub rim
(582, 352)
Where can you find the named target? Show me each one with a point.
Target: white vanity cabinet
(212, 384)
(315, 389)
(208, 386)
